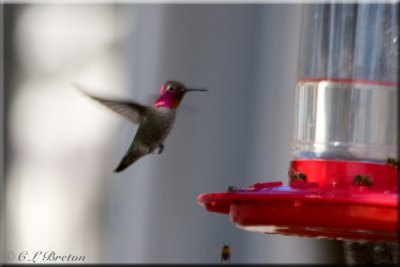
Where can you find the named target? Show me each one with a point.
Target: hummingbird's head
(171, 94)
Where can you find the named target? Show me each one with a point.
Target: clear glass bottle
(346, 97)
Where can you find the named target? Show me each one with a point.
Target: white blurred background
(62, 148)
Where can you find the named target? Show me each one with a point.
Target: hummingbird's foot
(160, 149)
(151, 150)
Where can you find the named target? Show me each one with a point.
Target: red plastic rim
(326, 199)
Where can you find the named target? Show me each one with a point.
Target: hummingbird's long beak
(195, 89)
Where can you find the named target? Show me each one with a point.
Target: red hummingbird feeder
(343, 179)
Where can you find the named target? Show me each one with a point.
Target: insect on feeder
(343, 177)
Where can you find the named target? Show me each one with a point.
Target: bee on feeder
(232, 189)
(298, 177)
(362, 180)
(393, 162)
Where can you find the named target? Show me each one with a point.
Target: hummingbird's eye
(172, 88)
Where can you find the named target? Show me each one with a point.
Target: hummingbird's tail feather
(130, 157)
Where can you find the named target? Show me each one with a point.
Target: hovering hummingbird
(155, 122)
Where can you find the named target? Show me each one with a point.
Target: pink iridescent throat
(166, 100)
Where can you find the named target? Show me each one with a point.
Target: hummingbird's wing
(131, 110)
